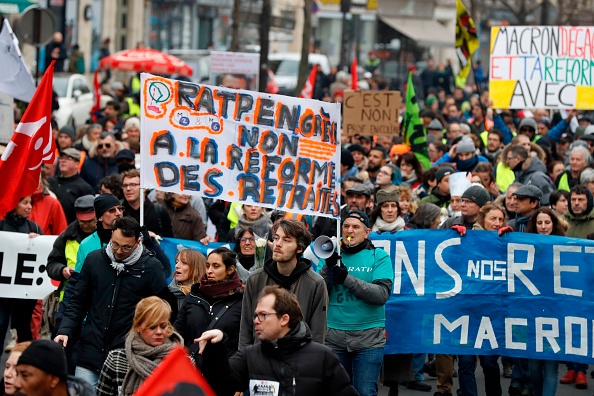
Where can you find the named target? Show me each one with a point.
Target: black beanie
(103, 203)
(346, 158)
(47, 356)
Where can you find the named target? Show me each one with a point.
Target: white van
(285, 66)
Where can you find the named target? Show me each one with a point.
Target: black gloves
(332, 260)
(339, 274)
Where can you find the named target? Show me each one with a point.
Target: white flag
(15, 79)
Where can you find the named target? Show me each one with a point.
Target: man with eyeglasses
(285, 362)
(69, 186)
(107, 210)
(101, 160)
(156, 217)
(112, 281)
(291, 271)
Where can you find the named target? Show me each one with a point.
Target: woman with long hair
(150, 339)
(544, 374)
(190, 267)
(412, 170)
(214, 303)
(386, 215)
(406, 203)
(15, 310)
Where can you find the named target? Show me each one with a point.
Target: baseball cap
(84, 207)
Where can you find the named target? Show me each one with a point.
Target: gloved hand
(504, 230)
(460, 228)
(339, 274)
(332, 260)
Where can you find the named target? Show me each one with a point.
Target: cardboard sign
(371, 113)
(238, 70)
(542, 67)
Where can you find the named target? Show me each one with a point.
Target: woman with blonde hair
(407, 205)
(10, 369)
(190, 267)
(151, 338)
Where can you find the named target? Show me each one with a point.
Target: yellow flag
(467, 41)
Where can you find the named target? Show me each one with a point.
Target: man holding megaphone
(359, 284)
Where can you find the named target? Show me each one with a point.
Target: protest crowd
(254, 313)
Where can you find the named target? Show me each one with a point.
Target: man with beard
(112, 281)
(101, 160)
(69, 186)
(359, 284)
(494, 146)
(377, 158)
(525, 200)
(291, 271)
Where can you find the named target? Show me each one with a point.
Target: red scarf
(224, 288)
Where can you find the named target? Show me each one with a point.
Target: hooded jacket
(580, 227)
(298, 365)
(308, 286)
(65, 250)
(68, 190)
(47, 212)
(96, 168)
(534, 172)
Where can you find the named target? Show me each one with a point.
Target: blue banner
(519, 295)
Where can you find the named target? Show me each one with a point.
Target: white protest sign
(542, 67)
(238, 70)
(241, 146)
(23, 263)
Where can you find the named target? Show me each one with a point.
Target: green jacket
(579, 227)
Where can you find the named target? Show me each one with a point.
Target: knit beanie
(68, 130)
(466, 145)
(104, 202)
(443, 172)
(47, 356)
(477, 194)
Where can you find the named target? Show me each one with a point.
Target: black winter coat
(108, 301)
(56, 261)
(68, 190)
(300, 366)
(197, 312)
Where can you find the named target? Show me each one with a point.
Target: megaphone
(324, 247)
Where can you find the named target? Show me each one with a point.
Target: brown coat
(185, 221)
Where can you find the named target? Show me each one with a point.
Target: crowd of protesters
(527, 170)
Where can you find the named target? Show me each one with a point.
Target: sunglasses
(106, 145)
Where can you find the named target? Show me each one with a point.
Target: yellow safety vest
(504, 176)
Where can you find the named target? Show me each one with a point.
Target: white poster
(6, 118)
(23, 263)
(237, 70)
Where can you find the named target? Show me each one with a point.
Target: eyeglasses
(465, 201)
(510, 158)
(125, 249)
(106, 145)
(130, 185)
(115, 209)
(263, 315)
(383, 172)
(246, 240)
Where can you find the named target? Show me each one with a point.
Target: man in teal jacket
(358, 287)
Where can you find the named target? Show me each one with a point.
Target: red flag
(175, 375)
(96, 96)
(310, 83)
(31, 146)
(354, 75)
